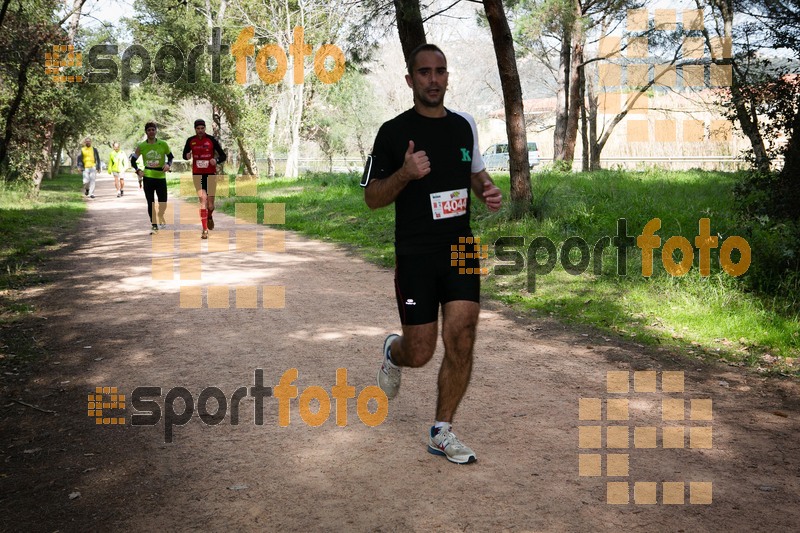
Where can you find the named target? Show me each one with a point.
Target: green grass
(706, 316)
(31, 226)
(326, 207)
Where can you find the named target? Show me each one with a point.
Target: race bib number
(152, 163)
(202, 163)
(449, 204)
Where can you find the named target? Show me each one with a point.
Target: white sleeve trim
(477, 160)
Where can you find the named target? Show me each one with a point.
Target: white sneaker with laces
(389, 374)
(447, 444)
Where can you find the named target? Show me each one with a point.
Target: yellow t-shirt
(88, 156)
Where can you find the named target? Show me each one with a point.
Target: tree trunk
(791, 156)
(273, 121)
(229, 109)
(75, 19)
(409, 25)
(362, 148)
(3, 11)
(42, 168)
(789, 187)
(574, 106)
(292, 169)
(216, 120)
(11, 112)
(585, 166)
(295, 115)
(748, 120)
(245, 163)
(47, 151)
(594, 146)
(519, 165)
(562, 96)
(57, 162)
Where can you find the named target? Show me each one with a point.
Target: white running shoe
(153, 229)
(444, 442)
(389, 373)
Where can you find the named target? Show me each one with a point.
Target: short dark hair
(150, 125)
(412, 56)
(199, 122)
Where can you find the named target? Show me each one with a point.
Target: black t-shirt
(432, 212)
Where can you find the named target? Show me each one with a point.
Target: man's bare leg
(458, 333)
(416, 346)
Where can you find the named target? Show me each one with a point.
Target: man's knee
(459, 338)
(460, 326)
(418, 345)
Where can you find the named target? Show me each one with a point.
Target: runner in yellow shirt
(117, 163)
(88, 162)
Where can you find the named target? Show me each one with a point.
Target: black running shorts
(422, 282)
(201, 182)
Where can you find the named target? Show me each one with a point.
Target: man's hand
(166, 167)
(415, 166)
(492, 196)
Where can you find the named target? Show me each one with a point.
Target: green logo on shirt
(465, 155)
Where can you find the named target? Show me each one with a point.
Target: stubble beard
(423, 98)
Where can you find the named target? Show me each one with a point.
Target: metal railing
(676, 162)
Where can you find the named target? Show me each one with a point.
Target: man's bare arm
(485, 189)
(380, 193)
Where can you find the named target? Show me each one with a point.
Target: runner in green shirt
(157, 159)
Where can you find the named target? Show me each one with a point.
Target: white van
(496, 156)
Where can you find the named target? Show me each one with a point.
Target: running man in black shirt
(426, 161)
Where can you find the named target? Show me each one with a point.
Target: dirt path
(104, 321)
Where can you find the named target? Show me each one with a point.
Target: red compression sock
(204, 218)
